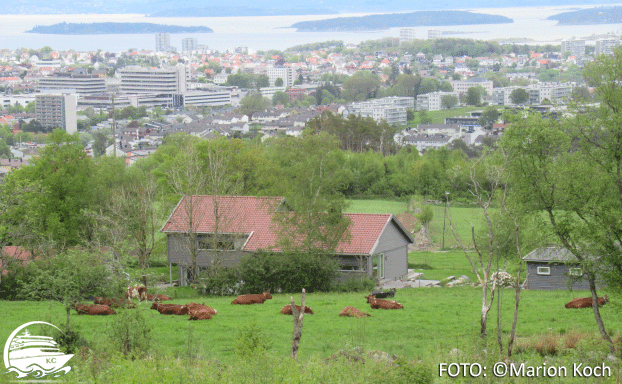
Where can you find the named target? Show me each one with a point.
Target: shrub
(354, 285)
(129, 334)
(251, 342)
(287, 272)
(70, 339)
(221, 281)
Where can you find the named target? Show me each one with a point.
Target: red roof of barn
(253, 215)
(14, 252)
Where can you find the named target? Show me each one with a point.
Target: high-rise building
(82, 84)
(57, 111)
(574, 46)
(606, 46)
(407, 34)
(163, 42)
(189, 44)
(139, 80)
(285, 73)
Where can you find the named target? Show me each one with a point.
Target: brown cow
(252, 299)
(136, 291)
(200, 314)
(201, 307)
(586, 302)
(113, 303)
(384, 304)
(173, 309)
(287, 310)
(82, 309)
(100, 310)
(151, 297)
(353, 312)
(369, 297)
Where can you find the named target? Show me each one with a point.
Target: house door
(379, 266)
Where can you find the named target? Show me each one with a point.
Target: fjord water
(272, 32)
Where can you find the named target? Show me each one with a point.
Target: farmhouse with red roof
(377, 245)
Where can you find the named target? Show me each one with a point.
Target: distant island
(600, 15)
(414, 19)
(113, 28)
(240, 11)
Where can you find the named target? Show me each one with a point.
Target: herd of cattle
(104, 306)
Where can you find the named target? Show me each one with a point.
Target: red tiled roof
(253, 215)
(14, 252)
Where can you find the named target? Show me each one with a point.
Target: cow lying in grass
(586, 302)
(170, 309)
(384, 304)
(151, 297)
(94, 309)
(201, 307)
(200, 314)
(353, 312)
(114, 303)
(252, 299)
(287, 310)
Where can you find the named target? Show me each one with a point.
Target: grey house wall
(394, 246)
(558, 279)
(179, 253)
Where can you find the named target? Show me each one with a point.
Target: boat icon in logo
(26, 354)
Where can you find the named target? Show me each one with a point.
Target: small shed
(550, 268)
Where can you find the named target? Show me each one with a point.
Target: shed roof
(550, 254)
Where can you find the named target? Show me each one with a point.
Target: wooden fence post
(298, 315)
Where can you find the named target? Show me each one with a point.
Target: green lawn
(376, 206)
(438, 117)
(461, 219)
(441, 265)
(433, 320)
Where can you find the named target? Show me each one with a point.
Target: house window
(221, 242)
(544, 270)
(358, 264)
(575, 272)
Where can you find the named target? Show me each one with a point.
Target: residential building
(432, 101)
(606, 46)
(163, 42)
(390, 109)
(81, 84)
(552, 268)
(407, 34)
(210, 98)
(462, 86)
(189, 44)
(576, 47)
(57, 111)
(137, 80)
(376, 245)
(285, 73)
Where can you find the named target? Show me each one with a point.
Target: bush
(129, 334)
(355, 285)
(222, 281)
(287, 272)
(251, 342)
(70, 339)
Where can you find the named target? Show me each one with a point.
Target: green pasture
(440, 265)
(438, 117)
(433, 321)
(461, 217)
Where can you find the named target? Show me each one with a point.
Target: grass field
(462, 217)
(438, 117)
(442, 264)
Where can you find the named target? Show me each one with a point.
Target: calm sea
(271, 32)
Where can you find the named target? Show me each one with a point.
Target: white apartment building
(576, 47)
(606, 46)
(553, 92)
(206, 98)
(285, 73)
(137, 80)
(163, 42)
(82, 84)
(432, 101)
(57, 111)
(435, 34)
(462, 86)
(390, 109)
(407, 34)
(189, 44)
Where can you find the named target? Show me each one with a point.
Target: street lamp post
(444, 217)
